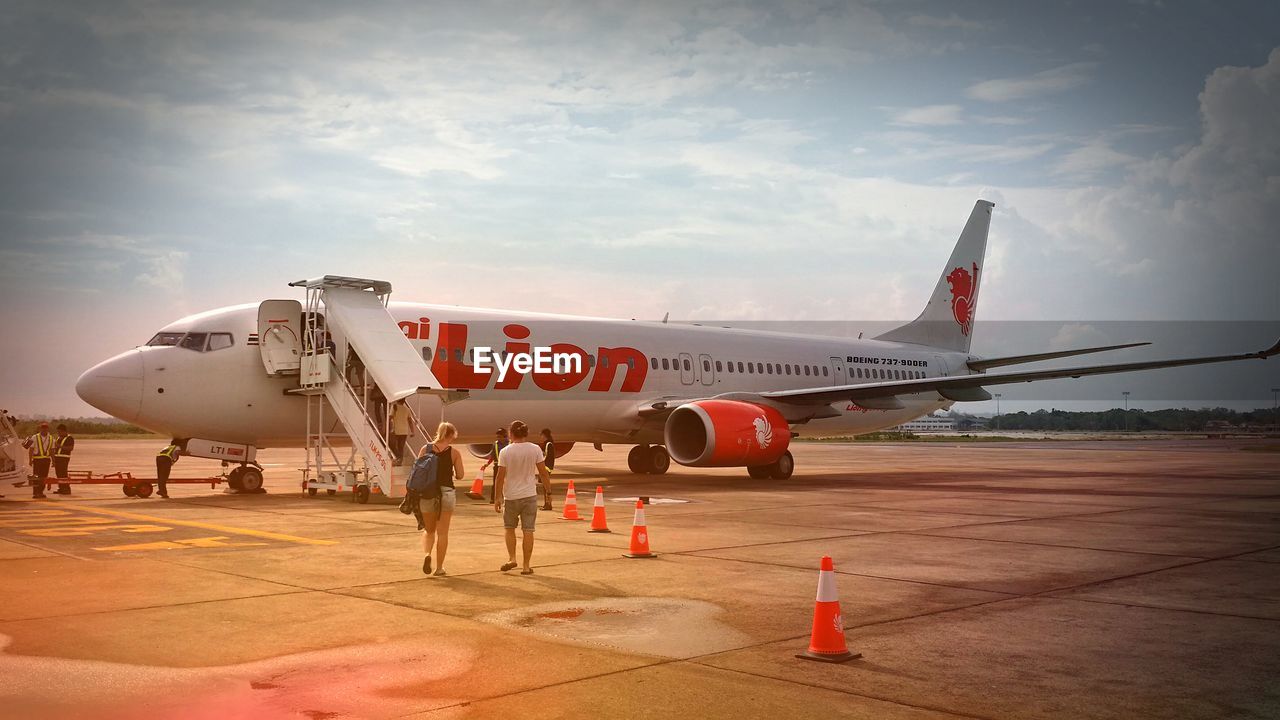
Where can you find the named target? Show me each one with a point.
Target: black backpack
(423, 481)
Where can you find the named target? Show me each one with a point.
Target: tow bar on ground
(131, 486)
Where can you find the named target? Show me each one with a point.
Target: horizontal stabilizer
(984, 364)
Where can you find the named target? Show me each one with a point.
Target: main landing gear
(779, 469)
(648, 460)
(245, 479)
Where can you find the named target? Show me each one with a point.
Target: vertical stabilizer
(947, 320)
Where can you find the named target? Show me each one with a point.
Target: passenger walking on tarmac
(399, 430)
(499, 442)
(548, 459)
(63, 446)
(164, 463)
(438, 512)
(40, 449)
(515, 492)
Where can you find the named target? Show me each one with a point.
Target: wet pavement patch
(666, 627)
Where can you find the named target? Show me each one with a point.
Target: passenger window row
(749, 367)
(883, 374)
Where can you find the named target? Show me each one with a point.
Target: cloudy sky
(728, 161)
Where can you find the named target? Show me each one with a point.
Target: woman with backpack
(437, 511)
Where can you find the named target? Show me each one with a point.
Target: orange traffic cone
(570, 504)
(827, 641)
(477, 488)
(598, 522)
(639, 535)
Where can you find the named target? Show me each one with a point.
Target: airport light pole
(997, 396)
(1274, 392)
(1125, 393)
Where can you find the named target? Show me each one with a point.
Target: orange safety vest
(43, 447)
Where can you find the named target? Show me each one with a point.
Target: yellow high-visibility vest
(170, 452)
(61, 445)
(43, 446)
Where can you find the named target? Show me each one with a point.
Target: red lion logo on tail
(964, 291)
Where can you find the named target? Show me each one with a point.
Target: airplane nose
(114, 386)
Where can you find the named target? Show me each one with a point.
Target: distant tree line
(82, 426)
(1116, 419)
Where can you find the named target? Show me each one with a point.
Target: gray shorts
(522, 511)
(447, 501)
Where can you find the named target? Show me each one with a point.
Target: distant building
(928, 423)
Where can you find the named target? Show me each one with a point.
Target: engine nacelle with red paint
(726, 433)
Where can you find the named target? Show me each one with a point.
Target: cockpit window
(198, 341)
(165, 339)
(194, 341)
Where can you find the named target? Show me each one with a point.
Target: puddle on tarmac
(666, 627)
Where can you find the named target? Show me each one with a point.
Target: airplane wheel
(637, 459)
(251, 479)
(233, 478)
(143, 490)
(311, 492)
(360, 494)
(759, 472)
(783, 467)
(659, 460)
(129, 490)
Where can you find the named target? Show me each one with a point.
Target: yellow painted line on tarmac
(220, 541)
(210, 526)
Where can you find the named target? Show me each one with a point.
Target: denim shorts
(447, 501)
(523, 511)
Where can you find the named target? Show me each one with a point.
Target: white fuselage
(225, 394)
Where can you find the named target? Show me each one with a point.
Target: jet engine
(726, 433)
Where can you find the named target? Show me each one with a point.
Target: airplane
(699, 396)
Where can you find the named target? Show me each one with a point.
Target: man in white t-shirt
(515, 492)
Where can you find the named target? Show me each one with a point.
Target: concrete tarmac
(1110, 579)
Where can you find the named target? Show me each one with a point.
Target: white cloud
(1056, 80)
(1093, 158)
(950, 22)
(166, 271)
(930, 115)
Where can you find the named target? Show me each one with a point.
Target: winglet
(1273, 350)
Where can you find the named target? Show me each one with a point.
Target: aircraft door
(686, 368)
(941, 365)
(706, 369)
(837, 372)
(280, 336)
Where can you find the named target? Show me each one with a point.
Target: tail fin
(947, 320)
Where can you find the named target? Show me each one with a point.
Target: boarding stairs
(14, 464)
(354, 365)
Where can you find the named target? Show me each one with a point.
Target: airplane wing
(960, 387)
(985, 364)
(807, 404)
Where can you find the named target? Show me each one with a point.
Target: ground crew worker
(164, 462)
(40, 450)
(63, 445)
(499, 442)
(548, 459)
(399, 429)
